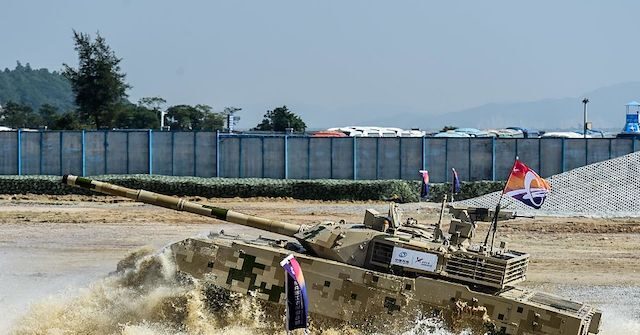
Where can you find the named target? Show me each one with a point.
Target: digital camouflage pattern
(380, 270)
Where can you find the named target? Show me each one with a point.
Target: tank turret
(381, 242)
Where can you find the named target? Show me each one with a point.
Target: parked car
(528, 133)
(563, 134)
(451, 133)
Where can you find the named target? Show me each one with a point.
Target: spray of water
(145, 296)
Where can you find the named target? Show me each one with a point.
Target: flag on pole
(296, 292)
(424, 190)
(455, 185)
(526, 186)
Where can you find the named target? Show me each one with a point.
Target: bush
(317, 189)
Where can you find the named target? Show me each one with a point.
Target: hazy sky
(334, 62)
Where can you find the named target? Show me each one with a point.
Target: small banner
(424, 190)
(526, 185)
(296, 292)
(455, 184)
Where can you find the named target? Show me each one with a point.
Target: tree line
(99, 100)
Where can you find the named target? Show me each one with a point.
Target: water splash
(146, 296)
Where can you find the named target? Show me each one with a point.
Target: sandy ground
(51, 243)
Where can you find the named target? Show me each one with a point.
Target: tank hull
(357, 296)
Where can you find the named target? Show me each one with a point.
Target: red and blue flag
(296, 292)
(526, 185)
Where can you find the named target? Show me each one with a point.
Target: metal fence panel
(9, 157)
(366, 158)
(30, 152)
(187, 153)
(505, 156)
(342, 158)
(298, 157)
(138, 152)
(481, 165)
(389, 158)
(436, 159)
(274, 157)
(458, 151)
(183, 150)
(410, 158)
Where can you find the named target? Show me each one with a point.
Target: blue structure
(631, 127)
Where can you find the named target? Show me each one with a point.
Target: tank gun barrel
(178, 204)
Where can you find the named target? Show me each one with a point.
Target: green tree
(98, 83)
(280, 119)
(130, 116)
(194, 118)
(67, 121)
(229, 113)
(35, 87)
(17, 115)
(49, 114)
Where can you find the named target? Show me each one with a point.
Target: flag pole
(494, 222)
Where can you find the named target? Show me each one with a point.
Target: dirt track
(51, 243)
(563, 250)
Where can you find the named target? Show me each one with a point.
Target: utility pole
(585, 101)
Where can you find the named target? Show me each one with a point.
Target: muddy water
(55, 281)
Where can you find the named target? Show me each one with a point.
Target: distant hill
(605, 110)
(35, 87)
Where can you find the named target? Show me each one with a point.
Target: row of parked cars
(510, 132)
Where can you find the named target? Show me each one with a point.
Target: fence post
(60, 153)
(173, 140)
(40, 153)
(424, 153)
(377, 157)
(84, 154)
(446, 158)
(262, 156)
(468, 161)
(330, 157)
(240, 158)
(217, 153)
(286, 156)
(19, 151)
(150, 149)
(127, 146)
(400, 157)
(586, 152)
(493, 158)
(195, 146)
(562, 161)
(308, 157)
(355, 159)
(540, 156)
(105, 144)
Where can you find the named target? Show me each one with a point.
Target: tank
(377, 269)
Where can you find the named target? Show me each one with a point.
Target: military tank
(381, 267)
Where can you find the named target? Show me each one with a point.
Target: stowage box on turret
(382, 266)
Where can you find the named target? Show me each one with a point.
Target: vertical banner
(424, 189)
(297, 303)
(455, 182)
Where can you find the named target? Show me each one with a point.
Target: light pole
(585, 101)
